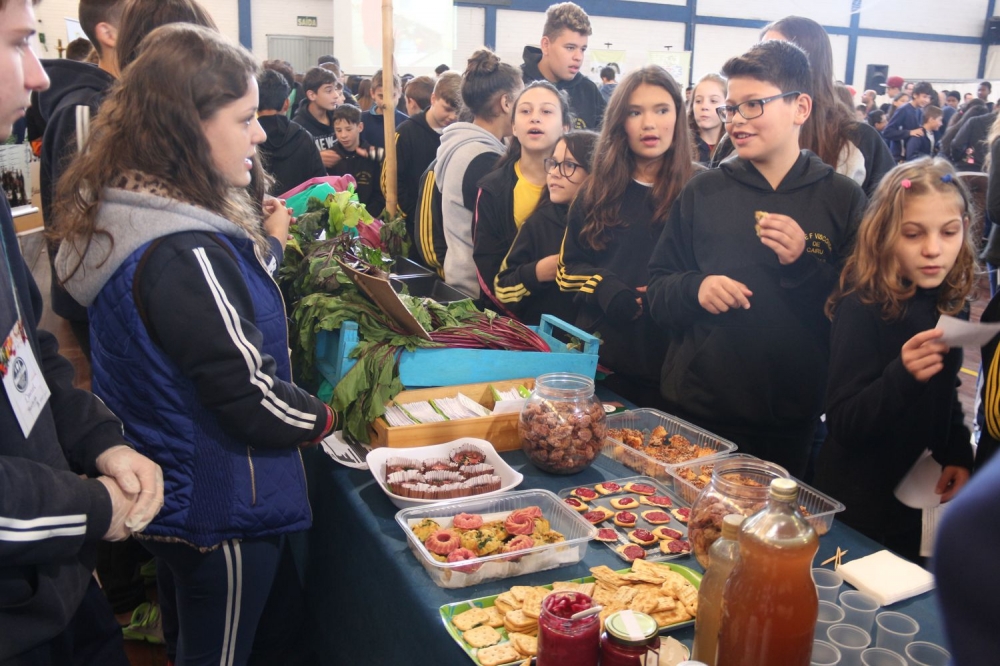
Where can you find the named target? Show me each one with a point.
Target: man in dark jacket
(74, 84)
(67, 477)
(558, 61)
(290, 155)
(968, 148)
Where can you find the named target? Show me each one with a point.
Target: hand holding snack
(719, 294)
(782, 234)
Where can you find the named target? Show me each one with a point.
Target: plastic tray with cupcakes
(636, 517)
(466, 467)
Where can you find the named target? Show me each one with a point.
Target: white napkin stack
(887, 577)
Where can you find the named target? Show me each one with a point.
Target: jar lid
(731, 525)
(785, 490)
(631, 628)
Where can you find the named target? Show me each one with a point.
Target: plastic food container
(377, 457)
(689, 490)
(646, 420)
(561, 518)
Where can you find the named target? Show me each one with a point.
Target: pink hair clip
(906, 183)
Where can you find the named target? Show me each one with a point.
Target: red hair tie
(906, 183)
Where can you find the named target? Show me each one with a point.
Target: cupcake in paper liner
(399, 464)
(471, 471)
(467, 454)
(440, 465)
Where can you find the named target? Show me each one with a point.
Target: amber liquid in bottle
(769, 605)
(722, 558)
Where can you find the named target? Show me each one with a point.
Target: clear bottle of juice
(769, 604)
(722, 558)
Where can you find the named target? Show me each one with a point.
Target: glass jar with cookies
(563, 424)
(562, 640)
(738, 485)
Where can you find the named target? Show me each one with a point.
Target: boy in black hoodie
(358, 158)
(289, 153)
(558, 61)
(417, 142)
(745, 264)
(323, 94)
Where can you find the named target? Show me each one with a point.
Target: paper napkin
(887, 577)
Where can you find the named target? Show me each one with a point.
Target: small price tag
(22, 378)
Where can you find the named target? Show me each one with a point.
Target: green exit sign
(306, 21)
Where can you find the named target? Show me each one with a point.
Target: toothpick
(836, 559)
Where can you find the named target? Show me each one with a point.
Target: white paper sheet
(961, 333)
(916, 490)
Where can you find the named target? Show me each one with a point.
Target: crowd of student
(752, 258)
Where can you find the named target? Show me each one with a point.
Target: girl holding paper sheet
(892, 385)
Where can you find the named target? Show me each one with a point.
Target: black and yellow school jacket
(602, 279)
(516, 285)
(416, 147)
(367, 173)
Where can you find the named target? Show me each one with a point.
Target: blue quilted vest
(215, 487)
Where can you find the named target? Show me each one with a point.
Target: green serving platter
(448, 611)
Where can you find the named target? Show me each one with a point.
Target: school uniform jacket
(599, 278)
(416, 148)
(880, 418)
(493, 227)
(367, 174)
(289, 153)
(191, 351)
(323, 135)
(903, 121)
(763, 368)
(374, 130)
(517, 286)
(51, 518)
(586, 102)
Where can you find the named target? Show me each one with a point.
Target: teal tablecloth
(373, 603)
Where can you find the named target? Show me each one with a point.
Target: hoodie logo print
(819, 245)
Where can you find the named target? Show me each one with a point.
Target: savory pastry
(577, 505)
(667, 533)
(642, 537)
(598, 515)
(625, 502)
(631, 552)
(625, 519)
(656, 517)
(443, 542)
(607, 488)
(640, 488)
(758, 215)
(682, 514)
(675, 546)
(467, 521)
(584, 493)
(656, 500)
(607, 534)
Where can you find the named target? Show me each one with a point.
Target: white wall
(470, 33)
(917, 60)
(827, 12)
(278, 18)
(963, 17)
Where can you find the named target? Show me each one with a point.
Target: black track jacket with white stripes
(50, 517)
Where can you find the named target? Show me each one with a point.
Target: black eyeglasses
(750, 109)
(566, 168)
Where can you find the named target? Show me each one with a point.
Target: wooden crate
(499, 430)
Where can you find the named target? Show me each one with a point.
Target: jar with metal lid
(563, 424)
(738, 485)
(628, 635)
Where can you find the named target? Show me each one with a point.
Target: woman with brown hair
(642, 161)
(155, 206)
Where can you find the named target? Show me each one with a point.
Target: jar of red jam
(563, 641)
(627, 636)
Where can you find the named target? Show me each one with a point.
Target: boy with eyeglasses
(744, 266)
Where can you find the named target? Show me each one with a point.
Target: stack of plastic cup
(881, 657)
(824, 654)
(921, 653)
(894, 631)
(828, 615)
(859, 609)
(827, 584)
(851, 641)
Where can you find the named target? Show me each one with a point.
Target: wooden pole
(389, 113)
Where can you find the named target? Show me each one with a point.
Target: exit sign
(306, 21)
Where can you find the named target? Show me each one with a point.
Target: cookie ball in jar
(738, 485)
(563, 424)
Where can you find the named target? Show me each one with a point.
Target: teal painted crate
(447, 367)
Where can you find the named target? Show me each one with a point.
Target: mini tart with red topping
(656, 517)
(607, 488)
(584, 493)
(631, 552)
(640, 488)
(625, 502)
(656, 500)
(642, 537)
(597, 515)
(675, 546)
(667, 533)
(607, 534)
(577, 504)
(682, 514)
(625, 519)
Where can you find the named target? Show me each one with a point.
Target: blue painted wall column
(490, 32)
(985, 48)
(852, 41)
(689, 30)
(246, 24)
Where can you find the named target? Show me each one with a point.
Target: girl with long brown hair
(891, 393)
(165, 245)
(642, 161)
